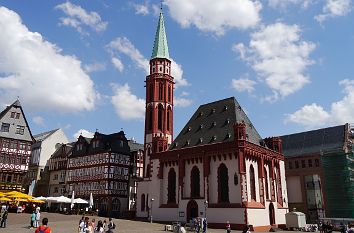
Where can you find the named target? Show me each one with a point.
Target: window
(169, 118)
(55, 189)
(20, 129)
(317, 163)
(303, 163)
(55, 177)
(96, 144)
(223, 184)
(297, 164)
(13, 114)
(160, 114)
(169, 93)
(151, 92)
(252, 183)
(290, 165)
(79, 147)
(5, 127)
(150, 119)
(160, 91)
(195, 182)
(171, 189)
(18, 115)
(266, 183)
(310, 162)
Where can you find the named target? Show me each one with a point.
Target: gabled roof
(134, 146)
(160, 49)
(214, 123)
(17, 104)
(44, 135)
(314, 141)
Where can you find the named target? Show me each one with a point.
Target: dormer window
(200, 140)
(213, 138)
(187, 143)
(201, 127)
(96, 144)
(227, 121)
(200, 114)
(213, 111)
(228, 135)
(189, 129)
(79, 147)
(213, 124)
(225, 108)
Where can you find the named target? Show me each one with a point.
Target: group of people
(87, 226)
(35, 217)
(200, 225)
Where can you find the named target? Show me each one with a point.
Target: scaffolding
(338, 169)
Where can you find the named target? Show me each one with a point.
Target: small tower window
(153, 69)
(160, 69)
(225, 108)
(160, 91)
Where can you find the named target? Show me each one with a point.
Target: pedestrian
(99, 228)
(44, 228)
(228, 227)
(93, 222)
(111, 226)
(38, 218)
(246, 229)
(33, 219)
(89, 228)
(205, 225)
(4, 219)
(104, 224)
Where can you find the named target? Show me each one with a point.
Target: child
(33, 219)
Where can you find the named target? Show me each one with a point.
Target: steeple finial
(160, 49)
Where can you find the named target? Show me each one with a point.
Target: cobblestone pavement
(19, 223)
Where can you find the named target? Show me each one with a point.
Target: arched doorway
(271, 214)
(192, 210)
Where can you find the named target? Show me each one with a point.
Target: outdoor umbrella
(72, 200)
(5, 199)
(80, 201)
(36, 201)
(62, 199)
(91, 201)
(41, 198)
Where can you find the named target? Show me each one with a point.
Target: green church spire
(160, 49)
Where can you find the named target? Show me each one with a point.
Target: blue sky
(81, 65)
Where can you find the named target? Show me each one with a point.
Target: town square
(176, 115)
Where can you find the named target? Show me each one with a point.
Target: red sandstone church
(218, 167)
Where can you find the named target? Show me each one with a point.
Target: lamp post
(206, 207)
(151, 201)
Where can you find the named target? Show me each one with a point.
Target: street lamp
(151, 201)
(205, 206)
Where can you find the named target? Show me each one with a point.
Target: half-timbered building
(218, 167)
(15, 147)
(102, 166)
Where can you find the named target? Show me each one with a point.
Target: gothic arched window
(150, 118)
(195, 182)
(142, 202)
(223, 184)
(151, 92)
(252, 183)
(171, 189)
(169, 93)
(160, 91)
(160, 117)
(169, 118)
(266, 183)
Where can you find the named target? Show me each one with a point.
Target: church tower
(159, 99)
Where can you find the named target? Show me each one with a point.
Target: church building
(218, 167)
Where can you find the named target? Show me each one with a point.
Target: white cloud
(37, 70)
(94, 67)
(77, 17)
(243, 84)
(279, 57)
(141, 9)
(38, 120)
(311, 115)
(334, 8)
(122, 45)
(85, 133)
(215, 16)
(284, 3)
(182, 102)
(341, 111)
(127, 105)
(117, 64)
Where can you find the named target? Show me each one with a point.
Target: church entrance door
(192, 210)
(271, 214)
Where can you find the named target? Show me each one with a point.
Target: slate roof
(44, 135)
(213, 123)
(313, 141)
(59, 151)
(134, 146)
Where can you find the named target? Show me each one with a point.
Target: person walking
(111, 226)
(38, 218)
(228, 227)
(44, 228)
(4, 218)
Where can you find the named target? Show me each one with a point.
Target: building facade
(319, 165)
(58, 177)
(218, 166)
(45, 145)
(102, 166)
(15, 147)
